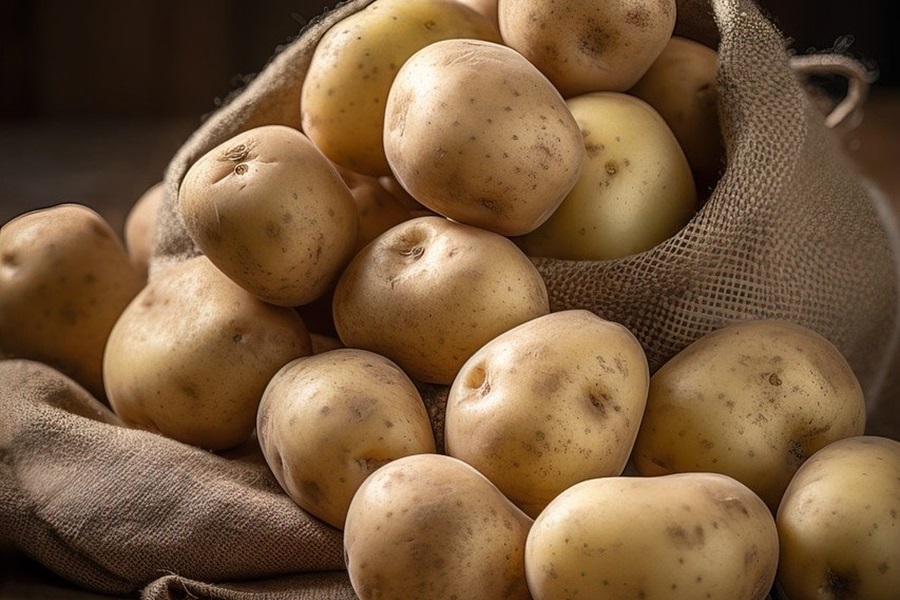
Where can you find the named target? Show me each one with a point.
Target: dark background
(177, 57)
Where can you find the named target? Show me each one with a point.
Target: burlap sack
(788, 232)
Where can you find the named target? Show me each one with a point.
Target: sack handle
(858, 81)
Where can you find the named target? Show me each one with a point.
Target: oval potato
(191, 355)
(753, 400)
(272, 213)
(328, 421)
(587, 46)
(431, 526)
(549, 403)
(683, 536)
(636, 189)
(476, 133)
(429, 292)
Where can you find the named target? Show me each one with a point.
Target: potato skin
(191, 355)
(65, 277)
(272, 213)
(588, 46)
(636, 189)
(753, 399)
(429, 292)
(687, 535)
(838, 523)
(547, 404)
(681, 85)
(352, 68)
(476, 133)
(431, 526)
(328, 421)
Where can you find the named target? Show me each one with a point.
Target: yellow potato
(636, 189)
(431, 526)
(689, 535)
(588, 46)
(351, 70)
(681, 86)
(272, 213)
(837, 523)
(429, 292)
(547, 404)
(140, 226)
(476, 133)
(326, 422)
(65, 277)
(753, 400)
(191, 355)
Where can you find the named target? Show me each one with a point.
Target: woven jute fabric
(788, 232)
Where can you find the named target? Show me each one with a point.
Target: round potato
(429, 292)
(65, 277)
(689, 535)
(343, 95)
(476, 133)
(431, 526)
(549, 403)
(272, 213)
(837, 523)
(636, 189)
(191, 355)
(588, 46)
(681, 86)
(326, 422)
(753, 400)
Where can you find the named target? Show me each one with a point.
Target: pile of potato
(385, 244)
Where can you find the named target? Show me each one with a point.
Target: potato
(753, 400)
(636, 190)
(837, 523)
(431, 526)
(65, 277)
(476, 133)
(429, 292)
(272, 213)
(377, 207)
(588, 46)
(547, 404)
(140, 226)
(688, 535)
(681, 86)
(326, 422)
(343, 95)
(191, 355)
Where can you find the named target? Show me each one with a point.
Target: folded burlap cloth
(788, 232)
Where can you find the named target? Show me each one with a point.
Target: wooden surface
(106, 164)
